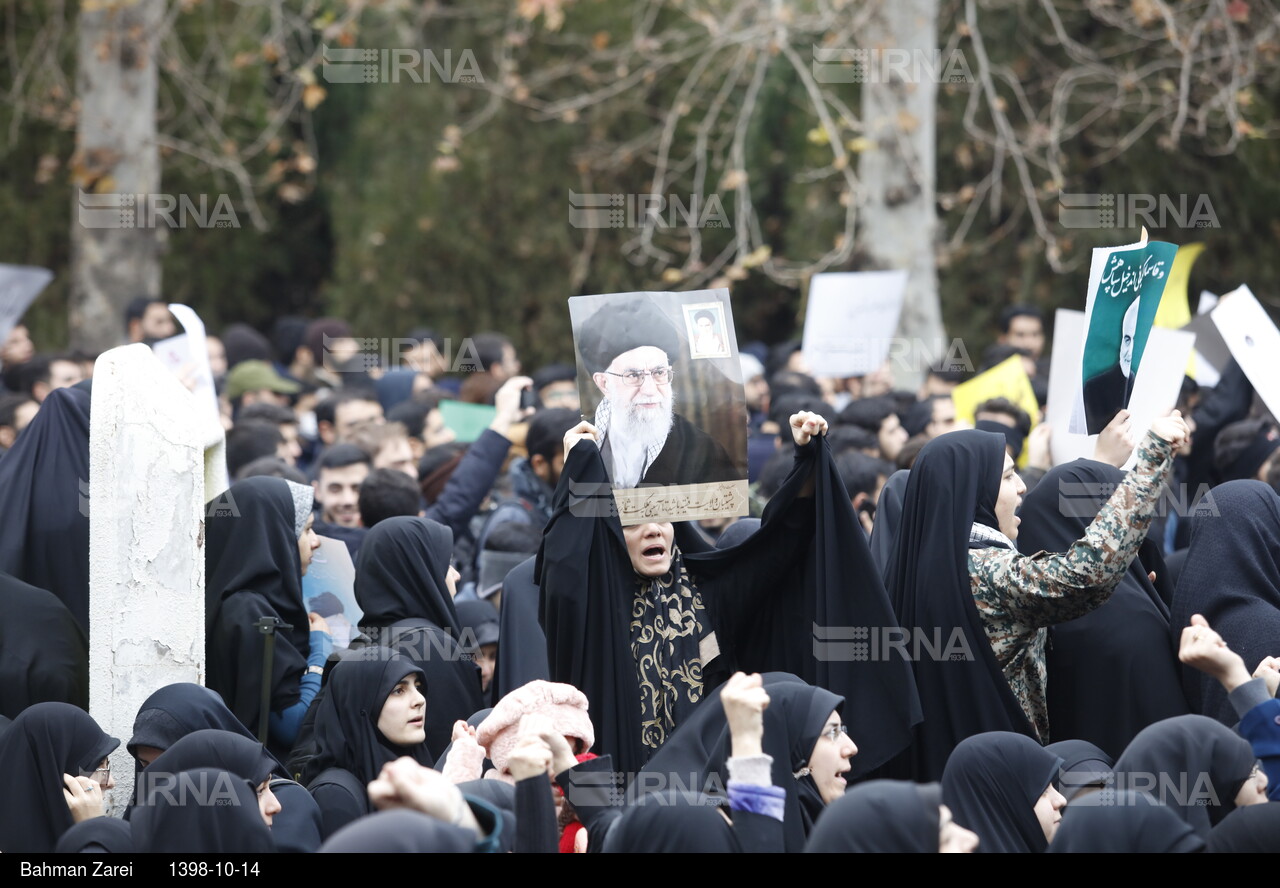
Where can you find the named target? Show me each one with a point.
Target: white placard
(187, 356)
(850, 321)
(1254, 342)
(1065, 365)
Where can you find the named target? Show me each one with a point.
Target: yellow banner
(1008, 379)
(1175, 306)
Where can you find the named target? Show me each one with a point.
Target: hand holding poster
(659, 377)
(1125, 287)
(329, 589)
(850, 321)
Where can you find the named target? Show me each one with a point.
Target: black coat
(402, 590)
(253, 570)
(1115, 670)
(44, 654)
(44, 497)
(807, 566)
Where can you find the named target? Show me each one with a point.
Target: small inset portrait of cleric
(704, 326)
(646, 393)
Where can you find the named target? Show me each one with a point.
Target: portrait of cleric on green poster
(1124, 308)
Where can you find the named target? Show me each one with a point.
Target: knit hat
(564, 704)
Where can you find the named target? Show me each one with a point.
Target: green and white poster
(1125, 286)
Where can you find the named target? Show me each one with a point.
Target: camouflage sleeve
(1046, 588)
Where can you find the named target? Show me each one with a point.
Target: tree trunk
(899, 73)
(115, 247)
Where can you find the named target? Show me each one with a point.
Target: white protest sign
(19, 286)
(850, 321)
(1064, 387)
(1254, 342)
(187, 357)
(1156, 390)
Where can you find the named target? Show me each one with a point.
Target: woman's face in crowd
(650, 547)
(402, 720)
(268, 804)
(307, 543)
(829, 761)
(1254, 791)
(1011, 491)
(1049, 810)
(952, 837)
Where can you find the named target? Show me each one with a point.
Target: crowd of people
(927, 636)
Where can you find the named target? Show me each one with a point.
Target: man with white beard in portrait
(644, 441)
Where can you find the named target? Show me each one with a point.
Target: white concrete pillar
(155, 458)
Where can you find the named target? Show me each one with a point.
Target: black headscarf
(1083, 765)
(672, 823)
(884, 532)
(98, 835)
(1232, 577)
(1128, 823)
(399, 832)
(204, 811)
(881, 816)
(1247, 830)
(1113, 671)
(44, 652)
(44, 497)
(698, 753)
(346, 725)
(1192, 764)
(806, 569)
(522, 656)
(223, 750)
(402, 590)
(44, 742)
(953, 484)
(253, 570)
(177, 710)
(401, 573)
(992, 783)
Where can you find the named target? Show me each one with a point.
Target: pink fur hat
(564, 704)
